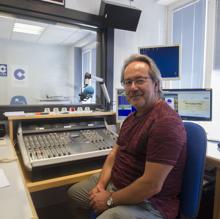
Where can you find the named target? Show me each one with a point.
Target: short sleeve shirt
(158, 136)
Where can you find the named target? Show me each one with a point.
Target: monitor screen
(123, 108)
(167, 59)
(191, 104)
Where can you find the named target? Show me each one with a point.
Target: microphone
(87, 93)
(88, 90)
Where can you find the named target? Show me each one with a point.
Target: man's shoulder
(164, 111)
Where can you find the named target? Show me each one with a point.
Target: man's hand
(96, 189)
(98, 200)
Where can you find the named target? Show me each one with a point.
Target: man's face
(140, 90)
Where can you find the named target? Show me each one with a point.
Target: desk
(15, 200)
(58, 181)
(213, 158)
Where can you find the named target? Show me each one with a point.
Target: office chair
(194, 169)
(18, 100)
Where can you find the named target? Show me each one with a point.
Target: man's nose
(133, 85)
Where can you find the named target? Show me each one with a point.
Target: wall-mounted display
(167, 59)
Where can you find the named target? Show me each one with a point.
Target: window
(187, 21)
(60, 49)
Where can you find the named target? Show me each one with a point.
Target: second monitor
(190, 104)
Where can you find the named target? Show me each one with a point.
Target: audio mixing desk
(58, 146)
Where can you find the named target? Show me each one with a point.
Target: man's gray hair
(154, 71)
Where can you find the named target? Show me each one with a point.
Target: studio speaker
(119, 16)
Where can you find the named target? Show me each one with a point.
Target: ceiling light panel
(27, 28)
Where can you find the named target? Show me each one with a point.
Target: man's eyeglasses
(137, 81)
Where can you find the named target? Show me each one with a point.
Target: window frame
(88, 49)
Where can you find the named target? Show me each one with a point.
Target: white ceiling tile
(75, 37)
(24, 37)
(55, 34)
(89, 38)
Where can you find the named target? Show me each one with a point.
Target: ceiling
(53, 34)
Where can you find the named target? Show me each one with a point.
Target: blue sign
(19, 74)
(3, 70)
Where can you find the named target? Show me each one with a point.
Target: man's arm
(107, 168)
(149, 184)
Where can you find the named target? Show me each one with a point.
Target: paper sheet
(3, 179)
(2, 141)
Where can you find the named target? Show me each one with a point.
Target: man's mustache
(133, 93)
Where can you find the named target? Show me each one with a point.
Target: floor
(58, 211)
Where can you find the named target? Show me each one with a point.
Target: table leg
(10, 124)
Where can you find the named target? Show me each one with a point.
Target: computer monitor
(123, 107)
(167, 59)
(191, 104)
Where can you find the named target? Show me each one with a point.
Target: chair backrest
(194, 170)
(18, 100)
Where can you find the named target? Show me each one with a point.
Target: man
(141, 177)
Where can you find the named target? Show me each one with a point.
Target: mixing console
(50, 144)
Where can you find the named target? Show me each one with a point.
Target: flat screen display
(190, 104)
(123, 107)
(167, 59)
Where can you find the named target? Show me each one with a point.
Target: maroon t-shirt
(158, 136)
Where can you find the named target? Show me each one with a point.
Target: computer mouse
(218, 146)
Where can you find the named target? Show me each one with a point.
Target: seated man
(142, 175)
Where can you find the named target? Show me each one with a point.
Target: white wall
(47, 71)
(213, 128)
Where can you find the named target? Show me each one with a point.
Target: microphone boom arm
(89, 77)
(103, 87)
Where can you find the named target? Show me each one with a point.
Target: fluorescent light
(27, 28)
(6, 15)
(166, 2)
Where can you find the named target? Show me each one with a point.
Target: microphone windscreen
(88, 90)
